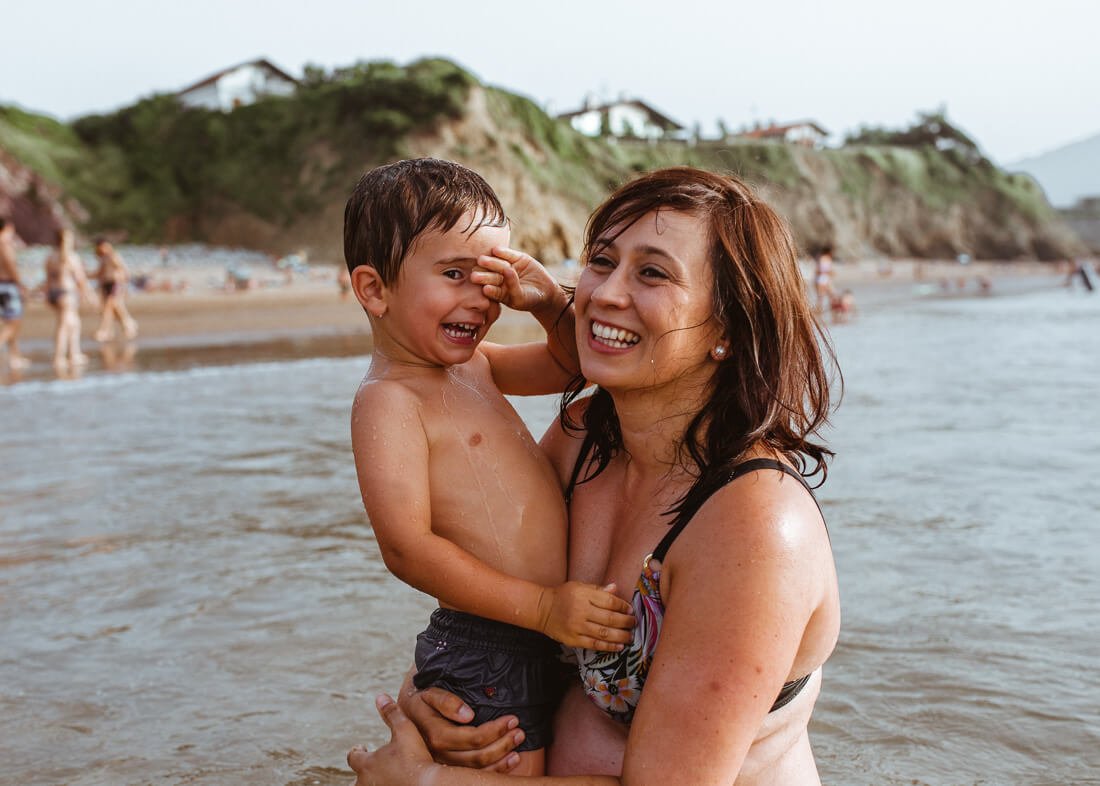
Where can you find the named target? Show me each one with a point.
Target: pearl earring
(718, 353)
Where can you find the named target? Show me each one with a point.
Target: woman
(65, 276)
(113, 278)
(685, 466)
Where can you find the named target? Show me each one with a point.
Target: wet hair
(772, 387)
(392, 205)
(3, 223)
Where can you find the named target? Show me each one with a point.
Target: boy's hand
(584, 615)
(517, 280)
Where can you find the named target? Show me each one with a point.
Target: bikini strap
(744, 468)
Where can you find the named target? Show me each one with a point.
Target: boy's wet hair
(393, 205)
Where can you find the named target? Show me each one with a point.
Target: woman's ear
(369, 290)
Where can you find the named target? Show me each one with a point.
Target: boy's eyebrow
(454, 259)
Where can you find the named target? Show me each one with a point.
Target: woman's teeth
(614, 337)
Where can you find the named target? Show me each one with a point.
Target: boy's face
(435, 315)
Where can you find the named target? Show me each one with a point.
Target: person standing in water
(65, 281)
(11, 296)
(113, 277)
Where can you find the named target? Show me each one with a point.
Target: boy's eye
(453, 273)
(601, 261)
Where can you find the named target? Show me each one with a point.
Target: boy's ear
(369, 290)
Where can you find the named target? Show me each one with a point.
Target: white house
(804, 132)
(623, 118)
(239, 85)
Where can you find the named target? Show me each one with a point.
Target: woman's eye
(601, 262)
(653, 272)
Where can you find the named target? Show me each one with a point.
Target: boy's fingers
(613, 619)
(606, 634)
(590, 643)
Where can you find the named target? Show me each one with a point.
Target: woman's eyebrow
(654, 251)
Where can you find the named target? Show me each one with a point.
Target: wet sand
(205, 315)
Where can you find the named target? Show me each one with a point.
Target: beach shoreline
(203, 311)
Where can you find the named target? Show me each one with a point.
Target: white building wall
(205, 97)
(623, 120)
(238, 87)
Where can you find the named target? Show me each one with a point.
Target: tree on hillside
(932, 129)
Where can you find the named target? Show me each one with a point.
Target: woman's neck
(653, 424)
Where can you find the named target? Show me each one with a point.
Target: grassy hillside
(275, 174)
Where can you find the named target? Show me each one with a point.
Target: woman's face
(644, 305)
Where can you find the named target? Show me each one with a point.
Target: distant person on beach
(66, 281)
(464, 505)
(685, 472)
(823, 278)
(343, 282)
(11, 297)
(843, 307)
(114, 278)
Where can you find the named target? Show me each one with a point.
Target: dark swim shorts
(496, 668)
(11, 304)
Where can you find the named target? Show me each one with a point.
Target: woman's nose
(611, 289)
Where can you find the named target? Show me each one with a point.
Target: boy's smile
(435, 315)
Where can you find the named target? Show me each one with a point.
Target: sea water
(189, 591)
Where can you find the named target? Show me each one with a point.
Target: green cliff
(274, 175)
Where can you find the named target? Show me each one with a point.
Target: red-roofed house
(239, 85)
(623, 118)
(804, 132)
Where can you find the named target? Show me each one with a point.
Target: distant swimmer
(823, 278)
(843, 307)
(65, 281)
(11, 297)
(114, 277)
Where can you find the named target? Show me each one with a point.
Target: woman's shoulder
(764, 511)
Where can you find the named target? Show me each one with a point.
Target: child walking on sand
(463, 503)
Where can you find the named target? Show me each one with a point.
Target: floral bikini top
(614, 680)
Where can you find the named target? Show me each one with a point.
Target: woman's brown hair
(772, 387)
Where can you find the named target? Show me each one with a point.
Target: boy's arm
(520, 282)
(391, 460)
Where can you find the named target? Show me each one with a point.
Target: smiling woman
(685, 475)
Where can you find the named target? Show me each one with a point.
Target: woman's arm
(741, 584)
(405, 761)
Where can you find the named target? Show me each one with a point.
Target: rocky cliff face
(278, 183)
(36, 208)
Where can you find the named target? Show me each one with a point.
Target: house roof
(263, 62)
(767, 132)
(659, 118)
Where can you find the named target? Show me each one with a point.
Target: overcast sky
(1020, 77)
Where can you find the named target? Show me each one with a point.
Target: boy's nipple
(475, 440)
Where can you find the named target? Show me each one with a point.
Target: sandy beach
(204, 312)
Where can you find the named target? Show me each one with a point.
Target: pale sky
(1020, 77)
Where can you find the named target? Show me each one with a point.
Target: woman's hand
(402, 760)
(440, 716)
